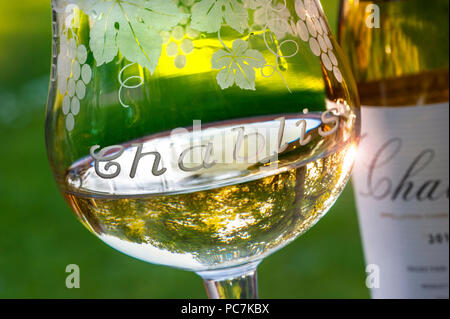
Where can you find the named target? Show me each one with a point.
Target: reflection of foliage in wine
(240, 219)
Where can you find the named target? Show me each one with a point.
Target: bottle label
(401, 182)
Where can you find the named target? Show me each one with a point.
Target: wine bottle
(399, 53)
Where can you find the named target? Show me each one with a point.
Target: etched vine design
(312, 28)
(124, 85)
(132, 27)
(179, 42)
(237, 64)
(276, 18)
(278, 56)
(72, 70)
(140, 29)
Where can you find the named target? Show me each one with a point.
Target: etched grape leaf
(208, 15)
(253, 4)
(237, 66)
(273, 15)
(131, 27)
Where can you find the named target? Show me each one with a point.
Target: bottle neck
(390, 39)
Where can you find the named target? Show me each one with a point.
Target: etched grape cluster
(312, 29)
(73, 76)
(179, 42)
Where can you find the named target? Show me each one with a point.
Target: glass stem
(231, 283)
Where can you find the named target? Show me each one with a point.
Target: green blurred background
(39, 236)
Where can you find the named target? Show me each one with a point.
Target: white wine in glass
(202, 135)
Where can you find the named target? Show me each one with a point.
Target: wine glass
(202, 135)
